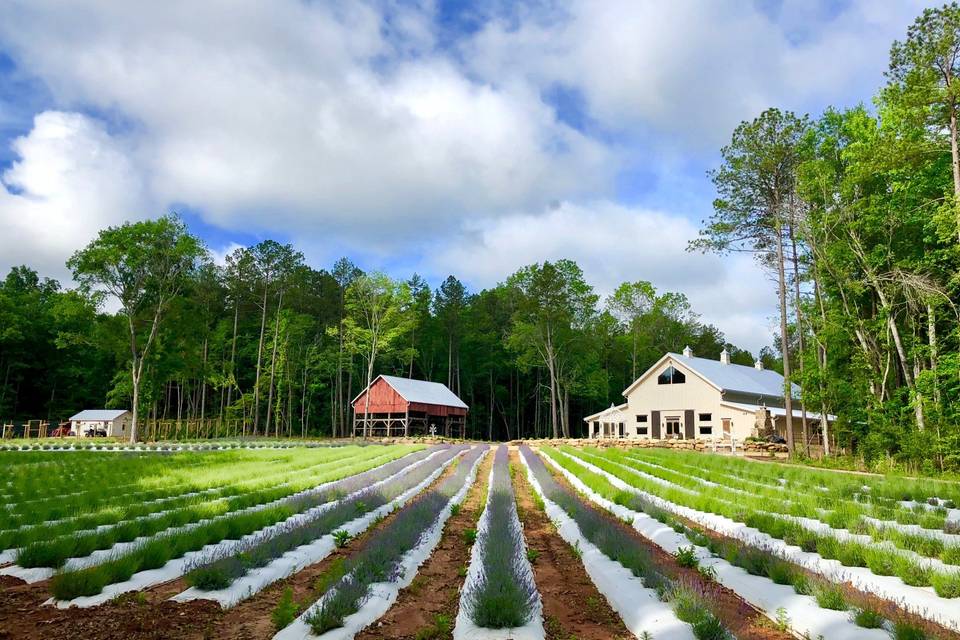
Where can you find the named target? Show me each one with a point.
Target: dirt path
(435, 592)
(572, 605)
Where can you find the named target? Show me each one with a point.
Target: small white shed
(113, 423)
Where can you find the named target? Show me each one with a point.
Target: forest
(854, 212)
(269, 340)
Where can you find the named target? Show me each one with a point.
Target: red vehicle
(62, 431)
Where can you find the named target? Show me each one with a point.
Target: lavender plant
(688, 602)
(504, 594)
(218, 571)
(380, 558)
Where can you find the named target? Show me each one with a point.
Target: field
(468, 541)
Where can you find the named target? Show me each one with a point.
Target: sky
(437, 137)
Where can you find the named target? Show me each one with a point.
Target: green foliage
(868, 619)
(286, 610)
(830, 596)
(341, 537)
(440, 628)
(687, 557)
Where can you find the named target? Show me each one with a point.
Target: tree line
(856, 214)
(266, 339)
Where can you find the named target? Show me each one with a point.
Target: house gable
(660, 365)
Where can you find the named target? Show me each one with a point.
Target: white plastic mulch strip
(640, 608)
(803, 613)
(922, 601)
(383, 594)
(465, 628)
(296, 559)
(822, 528)
(913, 529)
(37, 574)
(177, 567)
(953, 515)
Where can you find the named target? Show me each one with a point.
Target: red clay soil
(572, 605)
(435, 591)
(146, 616)
(150, 615)
(743, 620)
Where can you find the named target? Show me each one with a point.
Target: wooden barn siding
(384, 399)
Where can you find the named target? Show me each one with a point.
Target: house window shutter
(689, 429)
(655, 420)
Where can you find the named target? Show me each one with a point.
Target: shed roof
(421, 391)
(99, 414)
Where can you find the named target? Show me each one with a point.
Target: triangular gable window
(671, 375)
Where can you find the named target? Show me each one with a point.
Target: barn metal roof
(737, 377)
(423, 392)
(778, 411)
(99, 414)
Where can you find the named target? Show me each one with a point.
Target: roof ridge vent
(758, 365)
(687, 352)
(724, 356)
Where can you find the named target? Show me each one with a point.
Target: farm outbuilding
(684, 397)
(406, 407)
(113, 423)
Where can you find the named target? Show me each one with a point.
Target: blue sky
(436, 137)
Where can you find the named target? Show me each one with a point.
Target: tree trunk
(233, 352)
(273, 363)
(934, 356)
(490, 412)
(256, 384)
(800, 347)
(203, 383)
(955, 162)
(784, 339)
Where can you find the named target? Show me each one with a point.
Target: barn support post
(406, 422)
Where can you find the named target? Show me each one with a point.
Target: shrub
(687, 557)
(868, 619)
(341, 537)
(947, 585)
(830, 596)
(907, 631)
(781, 573)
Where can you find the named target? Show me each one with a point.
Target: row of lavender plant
(688, 601)
(157, 551)
(381, 558)
(504, 594)
(216, 571)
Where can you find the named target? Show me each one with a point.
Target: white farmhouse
(113, 423)
(685, 397)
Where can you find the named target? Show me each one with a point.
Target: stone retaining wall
(758, 449)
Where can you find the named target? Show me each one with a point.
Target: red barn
(401, 406)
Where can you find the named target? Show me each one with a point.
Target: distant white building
(112, 423)
(685, 397)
